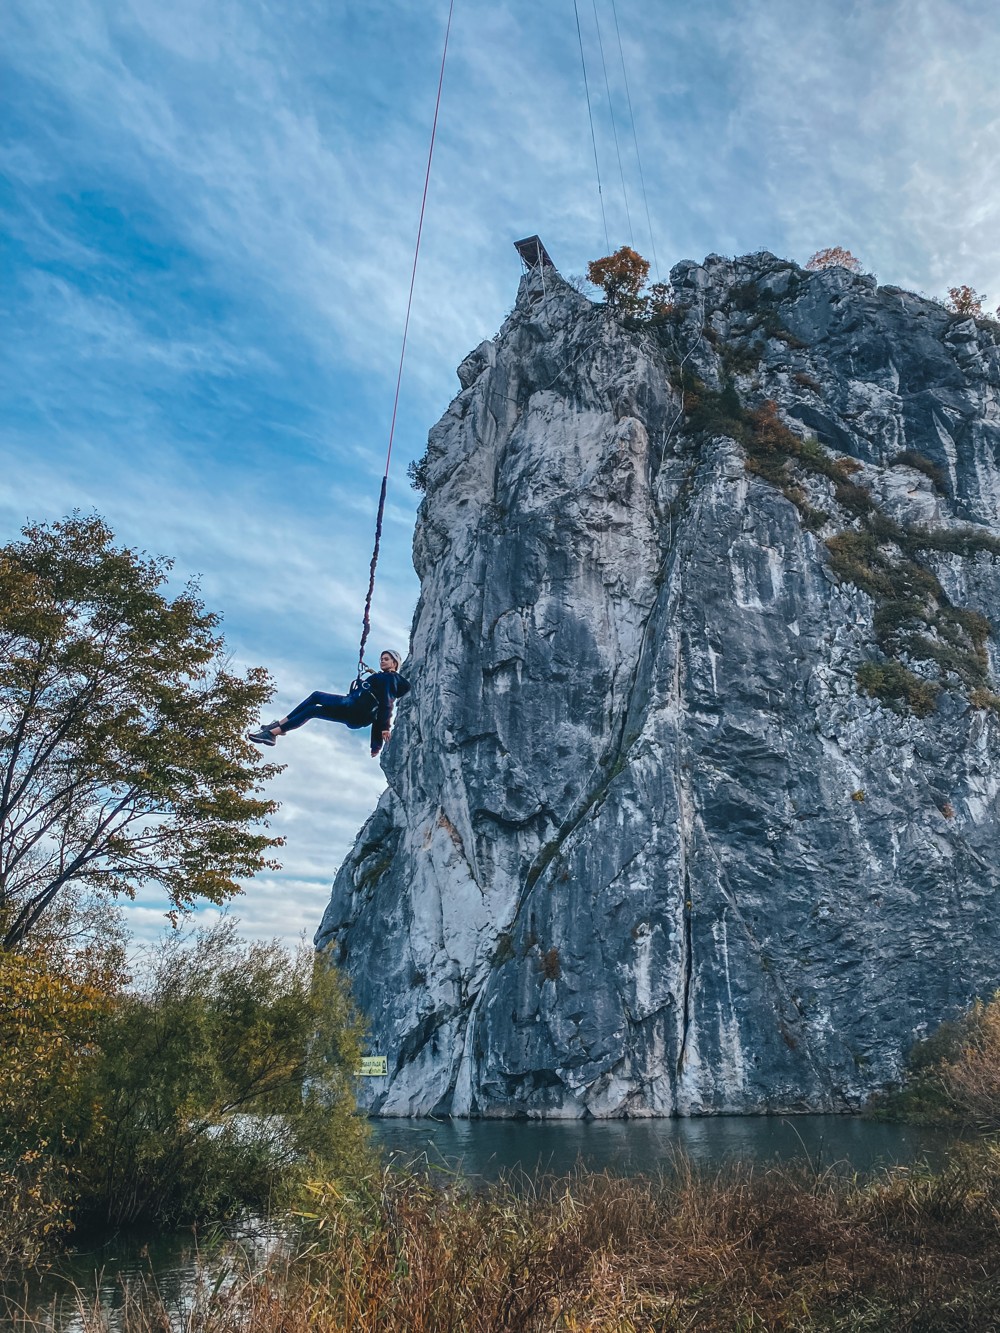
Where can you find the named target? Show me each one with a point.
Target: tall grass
(743, 1249)
(953, 1076)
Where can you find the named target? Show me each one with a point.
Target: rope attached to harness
(366, 619)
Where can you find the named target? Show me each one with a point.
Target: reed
(745, 1248)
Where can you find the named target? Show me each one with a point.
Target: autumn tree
(834, 257)
(55, 995)
(122, 758)
(622, 277)
(965, 300)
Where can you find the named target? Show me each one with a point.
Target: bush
(834, 257)
(416, 471)
(953, 1077)
(217, 1085)
(965, 301)
(971, 1077)
(894, 684)
(622, 277)
(51, 1009)
(220, 1084)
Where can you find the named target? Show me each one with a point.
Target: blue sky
(208, 213)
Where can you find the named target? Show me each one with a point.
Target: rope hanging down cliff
(366, 618)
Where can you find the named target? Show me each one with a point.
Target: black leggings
(332, 707)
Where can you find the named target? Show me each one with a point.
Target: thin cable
(593, 137)
(635, 139)
(366, 621)
(614, 127)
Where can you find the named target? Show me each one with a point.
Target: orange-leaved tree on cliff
(835, 257)
(622, 277)
(965, 300)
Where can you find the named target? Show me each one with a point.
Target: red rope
(366, 619)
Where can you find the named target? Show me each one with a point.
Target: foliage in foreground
(953, 1077)
(218, 1085)
(747, 1249)
(221, 1083)
(122, 758)
(53, 1004)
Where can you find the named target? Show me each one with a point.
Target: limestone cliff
(694, 806)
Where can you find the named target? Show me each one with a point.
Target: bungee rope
(366, 619)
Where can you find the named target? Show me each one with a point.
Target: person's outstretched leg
(332, 707)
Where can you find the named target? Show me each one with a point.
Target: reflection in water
(483, 1150)
(488, 1148)
(104, 1278)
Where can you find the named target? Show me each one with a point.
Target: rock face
(648, 847)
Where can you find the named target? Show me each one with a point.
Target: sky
(208, 212)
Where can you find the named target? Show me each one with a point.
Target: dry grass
(746, 1249)
(971, 1078)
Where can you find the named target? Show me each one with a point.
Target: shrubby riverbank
(216, 1084)
(744, 1248)
(127, 1104)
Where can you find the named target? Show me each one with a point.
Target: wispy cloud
(210, 210)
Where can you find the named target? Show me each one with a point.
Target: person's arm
(383, 716)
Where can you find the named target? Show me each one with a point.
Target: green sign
(373, 1066)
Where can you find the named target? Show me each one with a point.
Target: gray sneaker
(263, 735)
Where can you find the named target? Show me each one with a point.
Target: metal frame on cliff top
(533, 253)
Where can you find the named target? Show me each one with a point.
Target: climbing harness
(366, 619)
(361, 691)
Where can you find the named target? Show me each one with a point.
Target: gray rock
(646, 848)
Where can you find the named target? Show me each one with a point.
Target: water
(174, 1264)
(486, 1149)
(482, 1150)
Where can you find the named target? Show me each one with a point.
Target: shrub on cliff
(835, 256)
(622, 277)
(965, 301)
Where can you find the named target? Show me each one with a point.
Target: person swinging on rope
(369, 701)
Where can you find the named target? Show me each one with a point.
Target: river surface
(481, 1151)
(486, 1149)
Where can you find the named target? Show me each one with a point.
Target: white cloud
(210, 360)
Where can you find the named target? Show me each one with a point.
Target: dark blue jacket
(381, 689)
